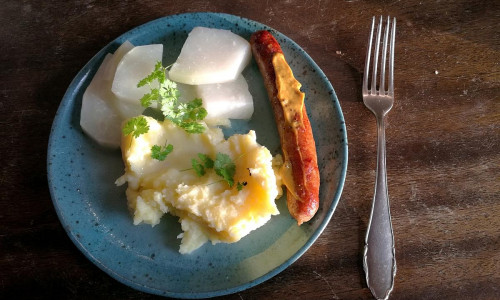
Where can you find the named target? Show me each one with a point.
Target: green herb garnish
(166, 95)
(225, 168)
(204, 163)
(240, 185)
(198, 168)
(161, 152)
(136, 126)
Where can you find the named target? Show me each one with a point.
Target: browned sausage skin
(297, 142)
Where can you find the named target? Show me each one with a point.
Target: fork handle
(379, 260)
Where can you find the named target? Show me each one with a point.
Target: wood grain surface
(443, 141)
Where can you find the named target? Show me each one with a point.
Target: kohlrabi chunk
(98, 117)
(211, 56)
(125, 109)
(228, 100)
(134, 66)
(110, 71)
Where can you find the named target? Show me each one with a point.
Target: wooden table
(443, 141)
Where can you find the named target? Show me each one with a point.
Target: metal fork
(379, 260)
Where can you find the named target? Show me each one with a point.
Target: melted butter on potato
(208, 209)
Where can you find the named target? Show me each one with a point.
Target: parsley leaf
(198, 167)
(161, 152)
(240, 185)
(136, 126)
(205, 163)
(225, 168)
(166, 95)
(157, 74)
(147, 99)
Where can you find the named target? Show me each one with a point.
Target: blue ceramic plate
(94, 212)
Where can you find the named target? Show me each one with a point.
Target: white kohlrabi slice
(134, 66)
(228, 100)
(211, 56)
(125, 109)
(109, 72)
(98, 118)
(186, 92)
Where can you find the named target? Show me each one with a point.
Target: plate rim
(81, 77)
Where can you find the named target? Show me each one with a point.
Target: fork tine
(384, 57)
(391, 61)
(367, 60)
(373, 87)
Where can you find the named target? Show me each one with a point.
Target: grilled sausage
(297, 142)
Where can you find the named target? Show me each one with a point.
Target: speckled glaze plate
(94, 212)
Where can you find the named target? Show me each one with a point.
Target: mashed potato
(208, 209)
